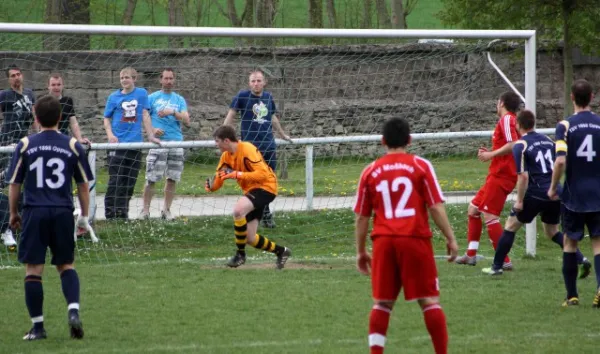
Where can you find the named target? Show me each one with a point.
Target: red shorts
(403, 262)
(492, 195)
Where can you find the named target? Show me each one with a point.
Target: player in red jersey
(399, 188)
(500, 181)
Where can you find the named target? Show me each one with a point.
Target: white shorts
(161, 162)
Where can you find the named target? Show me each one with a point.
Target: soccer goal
(333, 88)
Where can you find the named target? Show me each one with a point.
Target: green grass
(291, 14)
(334, 177)
(169, 293)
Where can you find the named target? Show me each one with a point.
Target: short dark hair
(47, 111)
(396, 133)
(167, 69)
(526, 119)
(225, 132)
(12, 67)
(511, 101)
(582, 92)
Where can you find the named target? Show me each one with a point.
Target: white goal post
(528, 36)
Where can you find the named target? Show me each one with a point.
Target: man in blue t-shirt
(259, 116)
(126, 110)
(534, 159)
(168, 110)
(46, 164)
(577, 142)
(16, 105)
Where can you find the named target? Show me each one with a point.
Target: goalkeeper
(241, 161)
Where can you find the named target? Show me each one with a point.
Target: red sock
(435, 321)
(473, 234)
(378, 325)
(494, 230)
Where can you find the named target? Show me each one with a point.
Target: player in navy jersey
(534, 158)
(46, 164)
(577, 142)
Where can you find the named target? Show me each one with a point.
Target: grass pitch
(175, 296)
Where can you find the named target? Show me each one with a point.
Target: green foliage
(545, 16)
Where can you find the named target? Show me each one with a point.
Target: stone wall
(320, 91)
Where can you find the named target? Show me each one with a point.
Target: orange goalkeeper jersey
(256, 172)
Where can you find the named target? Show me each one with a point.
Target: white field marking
(320, 342)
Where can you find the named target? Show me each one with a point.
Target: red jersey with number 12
(505, 132)
(398, 188)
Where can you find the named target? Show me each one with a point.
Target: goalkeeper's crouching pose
(243, 162)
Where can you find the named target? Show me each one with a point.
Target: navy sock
(569, 270)
(597, 269)
(34, 299)
(558, 239)
(70, 288)
(504, 245)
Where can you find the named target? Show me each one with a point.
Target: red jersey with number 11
(398, 188)
(505, 132)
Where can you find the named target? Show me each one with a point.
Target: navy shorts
(549, 210)
(47, 227)
(574, 223)
(260, 198)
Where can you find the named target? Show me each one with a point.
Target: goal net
(332, 97)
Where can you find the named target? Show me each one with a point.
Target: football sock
(263, 243)
(378, 325)
(494, 230)
(558, 239)
(70, 287)
(241, 233)
(504, 245)
(34, 299)
(569, 270)
(597, 269)
(474, 228)
(435, 321)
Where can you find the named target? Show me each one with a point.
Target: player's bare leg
(474, 229)
(34, 298)
(435, 321)
(379, 320)
(148, 194)
(170, 187)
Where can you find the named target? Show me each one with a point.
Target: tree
(331, 14)
(68, 12)
(126, 20)
(176, 18)
(572, 22)
(400, 11)
(315, 17)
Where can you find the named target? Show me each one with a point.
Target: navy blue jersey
(256, 116)
(535, 153)
(46, 164)
(578, 138)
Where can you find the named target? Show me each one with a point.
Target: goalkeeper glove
(229, 174)
(83, 223)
